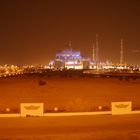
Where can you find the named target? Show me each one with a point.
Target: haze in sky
(31, 31)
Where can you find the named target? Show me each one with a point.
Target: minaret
(97, 50)
(121, 53)
(93, 53)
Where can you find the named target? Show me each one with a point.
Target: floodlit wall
(32, 109)
(37, 109)
(121, 108)
(74, 66)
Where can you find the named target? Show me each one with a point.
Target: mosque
(70, 59)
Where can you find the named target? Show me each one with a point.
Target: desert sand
(67, 93)
(105, 127)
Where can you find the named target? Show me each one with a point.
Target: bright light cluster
(9, 70)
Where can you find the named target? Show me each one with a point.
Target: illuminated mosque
(70, 59)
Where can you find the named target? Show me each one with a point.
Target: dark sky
(31, 31)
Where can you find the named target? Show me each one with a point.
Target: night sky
(32, 31)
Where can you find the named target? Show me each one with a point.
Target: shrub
(42, 83)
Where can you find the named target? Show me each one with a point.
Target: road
(124, 127)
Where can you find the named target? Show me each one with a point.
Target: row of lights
(10, 70)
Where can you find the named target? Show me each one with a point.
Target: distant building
(68, 55)
(70, 59)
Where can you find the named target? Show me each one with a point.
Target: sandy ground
(67, 93)
(107, 127)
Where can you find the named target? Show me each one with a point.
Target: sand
(67, 93)
(105, 127)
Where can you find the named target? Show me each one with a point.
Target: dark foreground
(107, 127)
